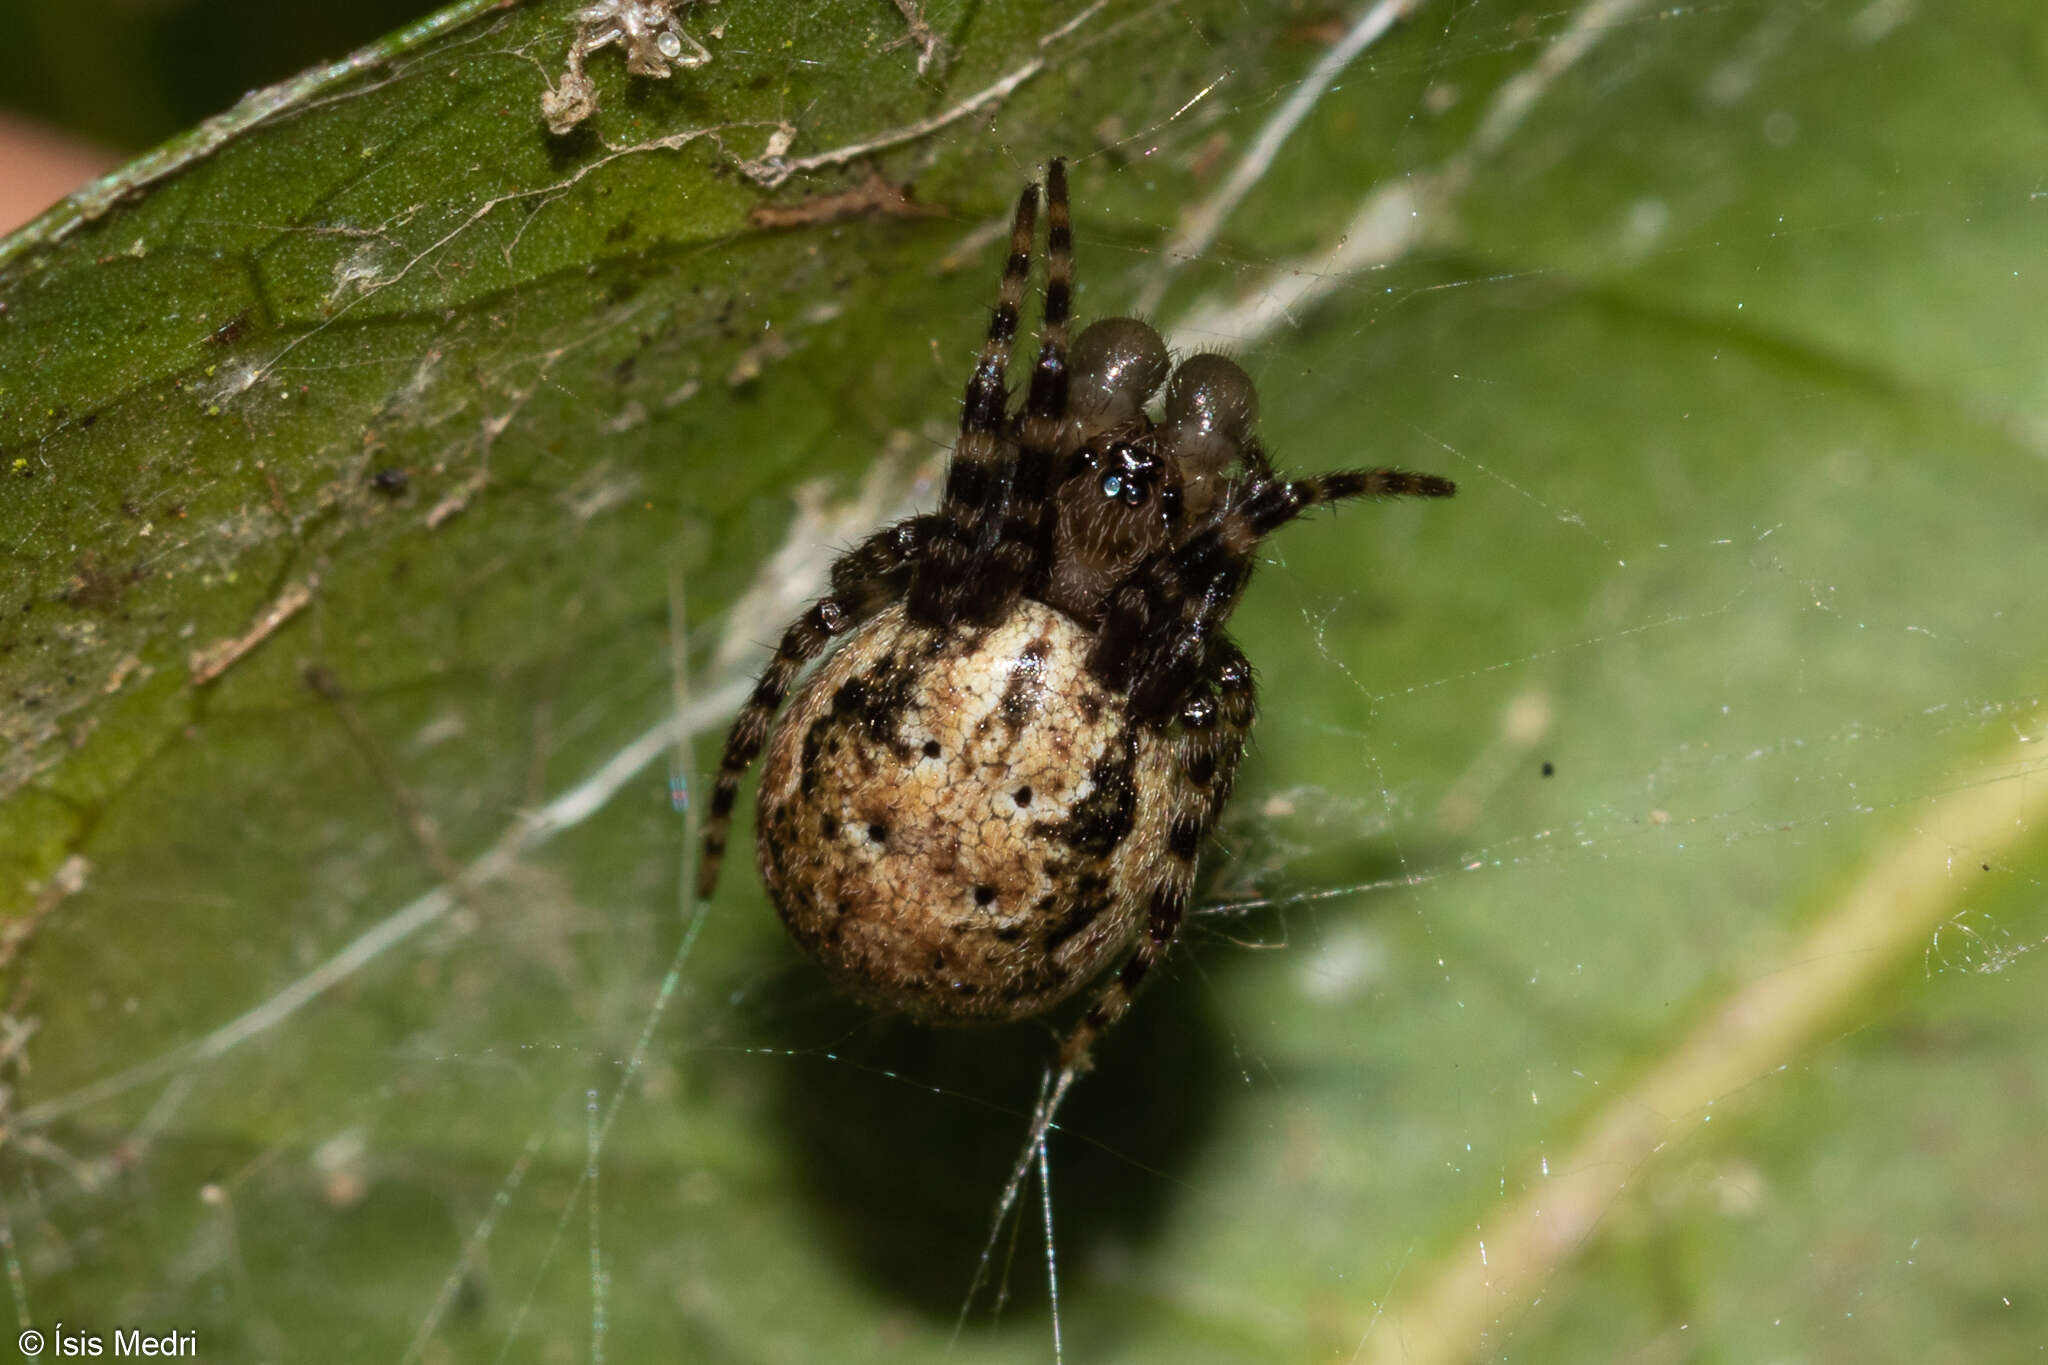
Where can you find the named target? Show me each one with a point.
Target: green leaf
(1622, 941)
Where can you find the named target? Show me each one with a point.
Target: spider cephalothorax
(996, 788)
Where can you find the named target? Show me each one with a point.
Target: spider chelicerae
(997, 786)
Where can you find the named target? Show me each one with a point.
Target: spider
(996, 787)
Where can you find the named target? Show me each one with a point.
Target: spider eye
(1124, 489)
(1131, 475)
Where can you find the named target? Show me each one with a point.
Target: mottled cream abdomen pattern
(962, 820)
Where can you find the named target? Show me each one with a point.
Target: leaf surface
(1621, 943)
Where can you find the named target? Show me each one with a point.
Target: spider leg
(865, 579)
(1215, 720)
(978, 475)
(1158, 623)
(1259, 466)
(1023, 549)
(1212, 753)
(876, 572)
(1270, 503)
(1215, 723)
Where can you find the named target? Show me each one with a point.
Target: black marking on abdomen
(1102, 818)
(851, 698)
(1026, 684)
(807, 764)
(874, 701)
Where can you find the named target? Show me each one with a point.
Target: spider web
(1620, 945)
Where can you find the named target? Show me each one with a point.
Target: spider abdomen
(960, 824)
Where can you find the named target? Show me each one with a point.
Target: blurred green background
(129, 73)
(1647, 838)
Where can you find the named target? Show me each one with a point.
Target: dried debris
(217, 658)
(919, 33)
(875, 197)
(654, 42)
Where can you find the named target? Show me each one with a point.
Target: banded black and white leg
(948, 582)
(865, 579)
(1161, 642)
(1160, 622)
(1213, 723)
(1023, 548)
